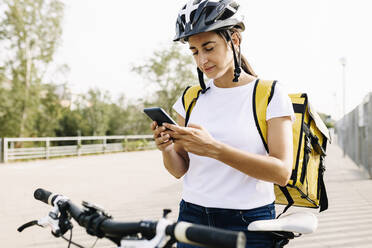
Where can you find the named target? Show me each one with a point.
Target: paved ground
(348, 222)
(134, 186)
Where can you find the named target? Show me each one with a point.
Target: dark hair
(245, 64)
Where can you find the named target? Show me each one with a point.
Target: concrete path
(134, 186)
(348, 221)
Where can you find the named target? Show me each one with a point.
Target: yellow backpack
(306, 186)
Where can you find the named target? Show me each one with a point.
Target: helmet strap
(237, 62)
(201, 81)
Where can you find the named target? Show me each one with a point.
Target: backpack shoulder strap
(189, 94)
(262, 95)
(189, 98)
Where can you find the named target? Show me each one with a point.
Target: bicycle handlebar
(43, 195)
(181, 231)
(214, 237)
(107, 227)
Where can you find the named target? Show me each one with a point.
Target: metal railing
(53, 146)
(354, 134)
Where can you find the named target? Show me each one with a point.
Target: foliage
(72, 124)
(96, 112)
(29, 33)
(135, 145)
(49, 112)
(171, 70)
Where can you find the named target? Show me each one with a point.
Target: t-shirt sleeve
(178, 107)
(280, 104)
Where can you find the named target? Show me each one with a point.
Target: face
(212, 54)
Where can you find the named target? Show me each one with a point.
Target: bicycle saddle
(300, 222)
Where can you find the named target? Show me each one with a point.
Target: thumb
(195, 126)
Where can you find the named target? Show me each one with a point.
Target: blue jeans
(231, 219)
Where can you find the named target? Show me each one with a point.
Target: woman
(227, 174)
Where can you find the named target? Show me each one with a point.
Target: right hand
(163, 141)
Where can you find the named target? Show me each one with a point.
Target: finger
(174, 134)
(195, 126)
(178, 129)
(163, 138)
(166, 138)
(158, 131)
(154, 128)
(165, 144)
(153, 125)
(177, 136)
(158, 142)
(170, 132)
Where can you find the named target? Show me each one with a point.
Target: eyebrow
(204, 44)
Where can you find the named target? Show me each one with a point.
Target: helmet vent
(226, 14)
(183, 20)
(208, 10)
(192, 15)
(230, 10)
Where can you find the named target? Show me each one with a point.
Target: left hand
(193, 138)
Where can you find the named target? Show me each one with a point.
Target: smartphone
(159, 115)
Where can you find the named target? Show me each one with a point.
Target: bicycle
(156, 234)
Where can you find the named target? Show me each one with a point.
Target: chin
(216, 77)
(213, 75)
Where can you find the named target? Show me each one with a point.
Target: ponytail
(245, 64)
(247, 67)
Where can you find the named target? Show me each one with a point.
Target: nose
(203, 59)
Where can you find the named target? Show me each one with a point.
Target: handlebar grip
(208, 236)
(45, 196)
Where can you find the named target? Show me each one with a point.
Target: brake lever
(44, 222)
(51, 220)
(27, 225)
(57, 218)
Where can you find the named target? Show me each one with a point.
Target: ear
(235, 39)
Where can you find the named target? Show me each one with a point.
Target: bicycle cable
(94, 244)
(76, 244)
(71, 242)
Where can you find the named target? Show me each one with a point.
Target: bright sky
(298, 42)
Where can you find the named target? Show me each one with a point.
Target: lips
(209, 69)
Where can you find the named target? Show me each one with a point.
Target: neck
(226, 81)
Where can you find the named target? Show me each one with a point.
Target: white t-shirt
(227, 114)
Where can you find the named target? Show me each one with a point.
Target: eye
(209, 49)
(195, 53)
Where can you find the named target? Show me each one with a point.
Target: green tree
(171, 69)
(120, 118)
(97, 111)
(138, 122)
(50, 111)
(29, 34)
(72, 123)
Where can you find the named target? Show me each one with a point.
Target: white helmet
(199, 16)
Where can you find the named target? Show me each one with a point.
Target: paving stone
(135, 186)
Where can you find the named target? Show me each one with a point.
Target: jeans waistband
(208, 210)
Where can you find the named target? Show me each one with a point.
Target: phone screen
(159, 115)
